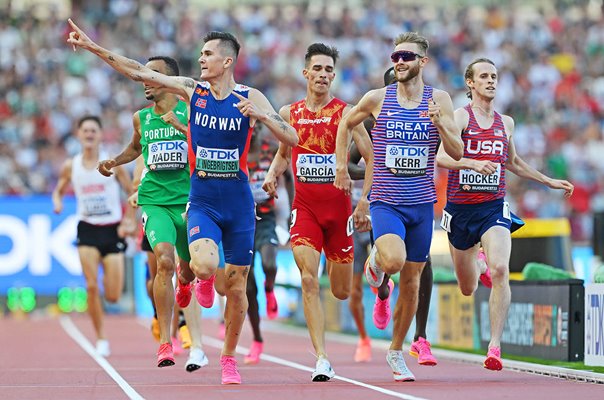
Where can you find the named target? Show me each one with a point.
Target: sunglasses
(404, 55)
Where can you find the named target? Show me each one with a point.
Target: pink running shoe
(183, 291)
(230, 374)
(485, 277)
(420, 349)
(381, 309)
(165, 355)
(253, 356)
(272, 309)
(363, 351)
(493, 361)
(204, 291)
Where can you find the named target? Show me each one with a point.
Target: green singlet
(166, 179)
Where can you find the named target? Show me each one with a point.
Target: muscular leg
(355, 304)
(204, 258)
(163, 288)
(252, 299)
(152, 265)
(90, 259)
(423, 303)
(236, 305)
(466, 268)
(268, 253)
(497, 244)
(307, 260)
(406, 304)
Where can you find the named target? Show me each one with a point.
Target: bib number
(217, 163)
(472, 181)
(445, 221)
(316, 168)
(350, 226)
(407, 160)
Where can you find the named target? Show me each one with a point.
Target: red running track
(46, 358)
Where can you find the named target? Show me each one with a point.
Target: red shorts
(326, 225)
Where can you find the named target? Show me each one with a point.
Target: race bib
(506, 210)
(445, 221)
(95, 206)
(472, 181)
(167, 155)
(407, 160)
(217, 163)
(316, 168)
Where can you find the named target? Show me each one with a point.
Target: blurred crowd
(550, 57)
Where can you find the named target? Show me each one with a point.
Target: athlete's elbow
(293, 140)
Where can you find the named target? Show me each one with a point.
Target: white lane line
(242, 350)
(81, 340)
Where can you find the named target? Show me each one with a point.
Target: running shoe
(185, 336)
(102, 348)
(204, 291)
(363, 351)
(253, 357)
(420, 349)
(155, 329)
(197, 359)
(381, 309)
(485, 277)
(272, 309)
(373, 273)
(221, 330)
(183, 291)
(400, 372)
(176, 346)
(493, 360)
(323, 371)
(230, 374)
(165, 355)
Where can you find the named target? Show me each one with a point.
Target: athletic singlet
(97, 196)
(258, 169)
(404, 146)
(166, 178)
(470, 187)
(219, 140)
(314, 159)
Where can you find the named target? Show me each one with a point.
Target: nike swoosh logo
(391, 113)
(180, 113)
(501, 222)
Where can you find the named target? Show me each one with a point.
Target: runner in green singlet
(160, 136)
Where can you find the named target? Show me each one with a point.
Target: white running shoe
(323, 371)
(197, 359)
(400, 372)
(102, 348)
(373, 273)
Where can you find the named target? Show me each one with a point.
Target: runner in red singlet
(321, 217)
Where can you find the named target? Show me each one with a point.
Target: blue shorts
(231, 223)
(466, 223)
(414, 224)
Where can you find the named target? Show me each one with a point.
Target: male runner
(222, 117)
(321, 216)
(410, 119)
(476, 212)
(101, 228)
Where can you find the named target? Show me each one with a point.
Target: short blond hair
(413, 37)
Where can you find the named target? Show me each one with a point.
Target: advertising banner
(594, 324)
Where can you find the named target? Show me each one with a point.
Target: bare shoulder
(508, 122)
(66, 168)
(440, 95)
(284, 112)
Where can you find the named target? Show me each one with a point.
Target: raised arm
(62, 184)
(521, 168)
(258, 108)
(132, 69)
(440, 110)
(280, 162)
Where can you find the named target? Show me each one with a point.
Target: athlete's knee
(165, 264)
(391, 262)
(356, 296)
(92, 288)
(112, 296)
(310, 283)
(340, 292)
(500, 272)
(236, 292)
(409, 286)
(203, 267)
(468, 288)
(251, 291)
